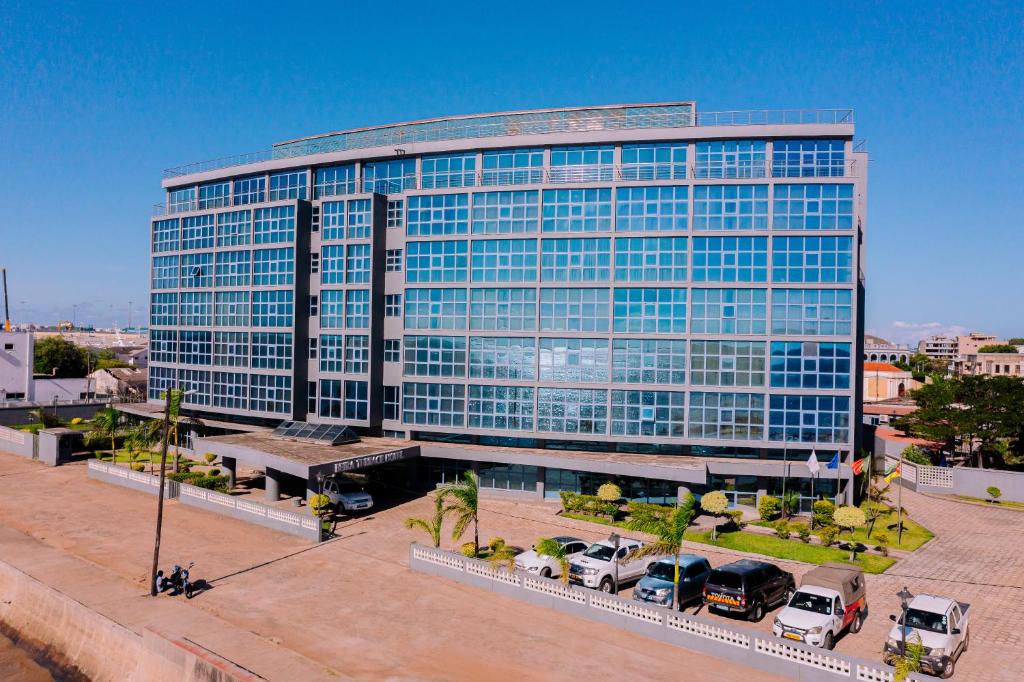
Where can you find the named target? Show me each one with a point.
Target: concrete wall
(21, 443)
(960, 480)
(46, 390)
(19, 414)
(794, 660)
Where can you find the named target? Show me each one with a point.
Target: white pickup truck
(595, 568)
(831, 599)
(347, 495)
(943, 627)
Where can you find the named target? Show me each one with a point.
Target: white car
(346, 494)
(546, 566)
(943, 627)
(596, 567)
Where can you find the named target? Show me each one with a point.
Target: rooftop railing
(522, 123)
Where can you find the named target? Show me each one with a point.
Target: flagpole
(785, 445)
(839, 467)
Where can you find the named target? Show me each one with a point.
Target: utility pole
(129, 316)
(160, 493)
(7, 312)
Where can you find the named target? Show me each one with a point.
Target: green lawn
(593, 519)
(985, 503)
(914, 534)
(35, 427)
(144, 457)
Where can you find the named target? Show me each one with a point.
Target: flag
(812, 464)
(858, 466)
(834, 464)
(895, 473)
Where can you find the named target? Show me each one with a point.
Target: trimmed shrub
(319, 504)
(76, 420)
(219, 483)
(209, 457)
(827, 535)
(883, 543)
(647, 511)
(803, 532)
(916, 455)
(495, 543)
(736, 519)
(994, 493)
(848, 517)
(138, 467)
(609, 492)
(714, 503)
(466, 549)
(822, 512)
(782, 530)
(214, 472)
(769, 507)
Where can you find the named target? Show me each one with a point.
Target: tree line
(60, 358)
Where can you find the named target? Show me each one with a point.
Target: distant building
(973, 342)
(883, 381)
(992, 364)
(938, 347)
(136, 357)
(119, 381)
(17, 384)
(877, 349)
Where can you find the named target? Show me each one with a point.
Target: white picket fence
(248, 507)
(918, 474)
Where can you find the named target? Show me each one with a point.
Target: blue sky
(97, 98)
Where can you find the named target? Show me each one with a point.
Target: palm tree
(555, 550)
(109, 423)
(190, 423)
(465, 496)
(504, 554)
(47, 420)
(668, 531)
(790, 503)
(432, 526)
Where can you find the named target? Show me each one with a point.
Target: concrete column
(230, 466)
(312, 487)
(540, 483)
(272, 486)
(681, 492)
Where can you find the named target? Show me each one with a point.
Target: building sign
(374, 460)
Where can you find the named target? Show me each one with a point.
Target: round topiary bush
(714, 503)
(138, 467)
(467, 549)
(209, 457)
(994, 493)
(768, 507)
(849, 518)
(609, 492)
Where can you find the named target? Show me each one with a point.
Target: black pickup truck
(748, 588)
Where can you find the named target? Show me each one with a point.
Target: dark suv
(748, 587)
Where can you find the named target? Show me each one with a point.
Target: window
(389, 177)
(435, 356)
(393, 260)
(165, 272)
(819, 312)
(812, 259)
(196, 384)
(813, 207)
(332, 309)
(582, 164)
(730, 207)
(730, 159)
(727, 363)
(650, 311)
(232, 269)
(434, 404)
(574, 360)
(332, 264)
(275, 225)
(438, 214)
(314, 263)
(357, 401)
(249, 190)
(392, 305)
(357, 354)
(809, 418)
(574, 310)
(234, 228)
(271, 350)
(359, 219)
(518, 477)
(503, 309)
(649, 361)
(332, 352)
(335, 180)
(648, 413)
(572, 410)
(810, 364)
(728, 311)
(726, 416)
(506, 212)
(436, 261)
(163, 345)
(448, 170)
(214, 195)
(495, 357)
(501, 407)
(392, 403)
(577, 210)
(505, 260)
(808, 158)
(289, 185)
(231, 309)
(357, 309)
(435, 308)
(392, 350)
(330, 398)
(513, 167)
(165, 235)
(650, 161)
(332, 220)
(231, 390)
(231, 349)
(357, 264)
(180, 200)
(196, 309)
(197, 232)
(396, 210)
(314, 306)
(575, 260)
(270, 393)
(196, 270)
(273, 267)
(272, 308)
(645, 209)
(730, 259)
(160, 379)
(195, 348)
(650, 259)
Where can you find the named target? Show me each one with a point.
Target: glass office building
(556, 298)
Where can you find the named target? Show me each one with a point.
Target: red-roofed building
(883, 381)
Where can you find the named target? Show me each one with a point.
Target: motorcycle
(178, 581)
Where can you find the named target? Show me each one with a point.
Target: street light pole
(160, 492)
(615, 539)
(905, 597)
